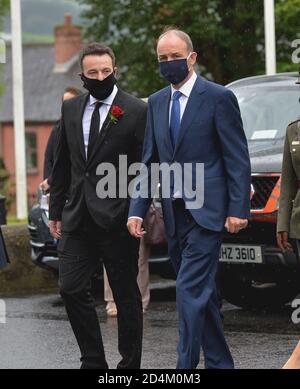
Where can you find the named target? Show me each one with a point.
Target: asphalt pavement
(37, 334)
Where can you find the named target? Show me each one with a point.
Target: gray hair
(181, 34)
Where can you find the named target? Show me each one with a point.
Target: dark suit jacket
(211, 133)
(50, 152)
(71, 170)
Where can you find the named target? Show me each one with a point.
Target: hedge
(21, 276)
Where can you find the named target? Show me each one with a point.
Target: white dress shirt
(88, 112)
(186, 90)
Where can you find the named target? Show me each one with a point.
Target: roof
(43, 88)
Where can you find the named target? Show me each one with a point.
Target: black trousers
(79, 255)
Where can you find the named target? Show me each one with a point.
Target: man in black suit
(96, 128)
(69, 93)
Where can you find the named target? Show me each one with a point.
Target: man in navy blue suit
(194, 121)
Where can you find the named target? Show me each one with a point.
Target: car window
(267, 111)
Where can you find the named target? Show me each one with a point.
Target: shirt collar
(109, 100)
(187, 87)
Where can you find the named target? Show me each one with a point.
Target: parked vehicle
(254, 273)
(43, 246)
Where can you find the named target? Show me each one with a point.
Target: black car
(43, 246)
(254, 273)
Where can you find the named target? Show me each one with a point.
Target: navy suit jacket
(211, 133)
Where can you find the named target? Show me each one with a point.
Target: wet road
(37, 334)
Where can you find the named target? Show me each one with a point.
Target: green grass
(11, 220)
(2, 52)
(35, 38)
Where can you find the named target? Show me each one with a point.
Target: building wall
(1, 141)
(34, 177)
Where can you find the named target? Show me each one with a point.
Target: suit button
(106, 142)
(87, 174)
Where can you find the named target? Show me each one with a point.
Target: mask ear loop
(188, 58)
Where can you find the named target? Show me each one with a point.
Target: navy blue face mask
(174, 71)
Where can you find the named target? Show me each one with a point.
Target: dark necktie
(94, 128)
(175, 118)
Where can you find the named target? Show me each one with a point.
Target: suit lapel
(192, 108)
(164, 115)
(108, 124)
(80, 111)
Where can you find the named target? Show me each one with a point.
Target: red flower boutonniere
(116, 113)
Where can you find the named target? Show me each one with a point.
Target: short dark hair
(74, 91)
(96, 49)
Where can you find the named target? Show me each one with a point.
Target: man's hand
(235, 224)
(44, 185)
(282, 241)
(55, 228)
(135, 227)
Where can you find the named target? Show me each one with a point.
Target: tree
(227, 34)
(4, 6)
(287, 31)
(4, 182)
(131, 27)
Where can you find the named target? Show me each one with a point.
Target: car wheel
(246, 292)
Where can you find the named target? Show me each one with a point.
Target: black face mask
(99, 89)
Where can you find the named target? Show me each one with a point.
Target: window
(31, 152)
(267, 110)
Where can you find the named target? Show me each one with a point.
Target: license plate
(240, 254)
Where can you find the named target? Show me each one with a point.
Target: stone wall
(21, 276)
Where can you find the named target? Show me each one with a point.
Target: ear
(116, 71)
(193, 57)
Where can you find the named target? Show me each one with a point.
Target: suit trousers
(79, 255)
(142, 279)
(194, 252)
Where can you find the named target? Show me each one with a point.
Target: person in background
(288, 225)
(294, 360)
(69, 93)
(4, 260)
(143, 282)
